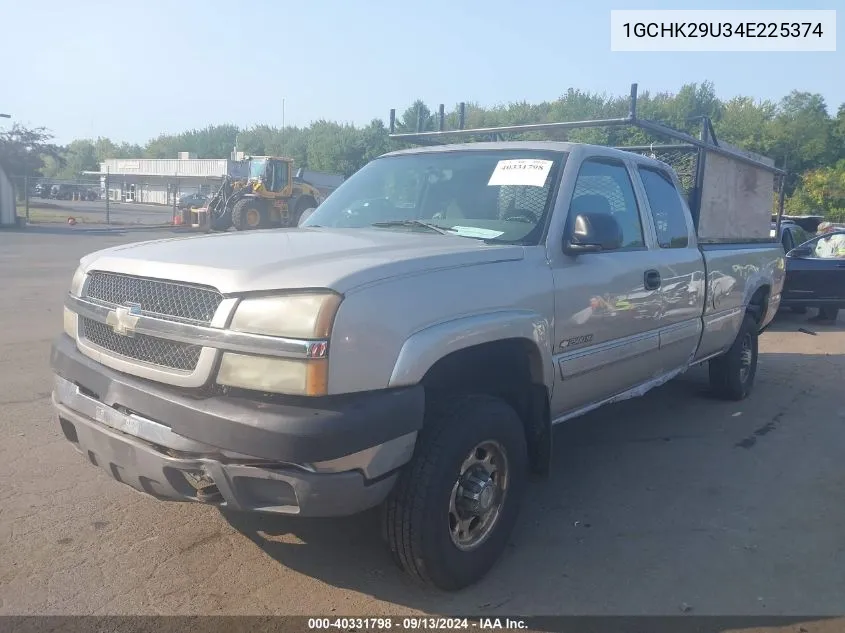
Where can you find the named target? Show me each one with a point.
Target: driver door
(281, 181)
(607, 304)
(814, 278)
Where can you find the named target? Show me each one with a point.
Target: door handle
(651, 280)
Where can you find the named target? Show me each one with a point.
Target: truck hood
(340, 259)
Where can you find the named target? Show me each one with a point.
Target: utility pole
(108, 194)
(283, 122)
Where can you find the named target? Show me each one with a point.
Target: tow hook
(207, 490)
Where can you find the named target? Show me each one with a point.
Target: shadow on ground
(788, 321)
(626, 479)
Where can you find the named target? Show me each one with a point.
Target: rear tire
(249, 214)
(454, 506)
(732, 374)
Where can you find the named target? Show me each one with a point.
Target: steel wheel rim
(252, 217)
(478, 495)
(746, 355)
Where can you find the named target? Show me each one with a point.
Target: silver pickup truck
(410, 345)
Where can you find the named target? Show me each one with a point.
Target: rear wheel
(249, 214)
(454, 507)
(732, 374)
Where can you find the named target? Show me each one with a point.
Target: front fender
(425, 347)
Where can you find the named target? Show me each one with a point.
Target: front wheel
(454, 506)
(250, 214)
(732, 374)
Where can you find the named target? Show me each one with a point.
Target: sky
(135, 69)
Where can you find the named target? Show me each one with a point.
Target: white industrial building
(162, 181)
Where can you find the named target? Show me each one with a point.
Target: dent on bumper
(235, 485)
(263, 458)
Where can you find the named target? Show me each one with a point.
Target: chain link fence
(82, 200)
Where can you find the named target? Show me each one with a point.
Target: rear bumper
(281, 458)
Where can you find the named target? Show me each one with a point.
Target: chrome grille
(161, 299)
(141, 347)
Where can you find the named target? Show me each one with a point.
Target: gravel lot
(667, 504)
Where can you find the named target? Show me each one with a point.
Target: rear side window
(666, 209)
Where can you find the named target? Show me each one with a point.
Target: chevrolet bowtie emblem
(124, 319)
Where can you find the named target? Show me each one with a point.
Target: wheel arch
(506, 355)
(758, 301)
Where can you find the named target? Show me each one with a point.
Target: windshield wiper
(427, 225)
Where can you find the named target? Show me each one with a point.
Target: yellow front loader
(271, 196)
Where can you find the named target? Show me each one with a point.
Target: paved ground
(667, 503)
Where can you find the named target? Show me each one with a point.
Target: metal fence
(81, 200)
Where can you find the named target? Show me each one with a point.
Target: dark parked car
(814, 280)
(192, 200)
(791, 234)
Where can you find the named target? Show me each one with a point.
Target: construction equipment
(270, 196)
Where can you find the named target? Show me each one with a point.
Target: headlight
(308, 316)
(77, 281)
(300, 316)
(276, 375)
(70, 323)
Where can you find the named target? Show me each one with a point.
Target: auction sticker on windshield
(528, 172)
(474, 231)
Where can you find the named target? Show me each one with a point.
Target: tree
(802, 134)
(797, 128)
(23, 151)
(823, 191)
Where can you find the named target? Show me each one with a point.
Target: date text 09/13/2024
(412, 623)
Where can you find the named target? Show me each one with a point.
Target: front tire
(732, 374)
(454, 506)
(249, 213)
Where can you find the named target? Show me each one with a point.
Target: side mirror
(592, 233)
(800, 251)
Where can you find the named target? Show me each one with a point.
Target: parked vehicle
(73, 192)
(192, 201)
(791, 234)
(813, 281)
(410, 344)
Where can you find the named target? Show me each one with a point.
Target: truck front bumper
(332, 456)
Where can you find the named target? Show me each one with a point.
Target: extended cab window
(603, 186)
(666, 209)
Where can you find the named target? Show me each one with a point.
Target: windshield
(501, 196)
(256, 168)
